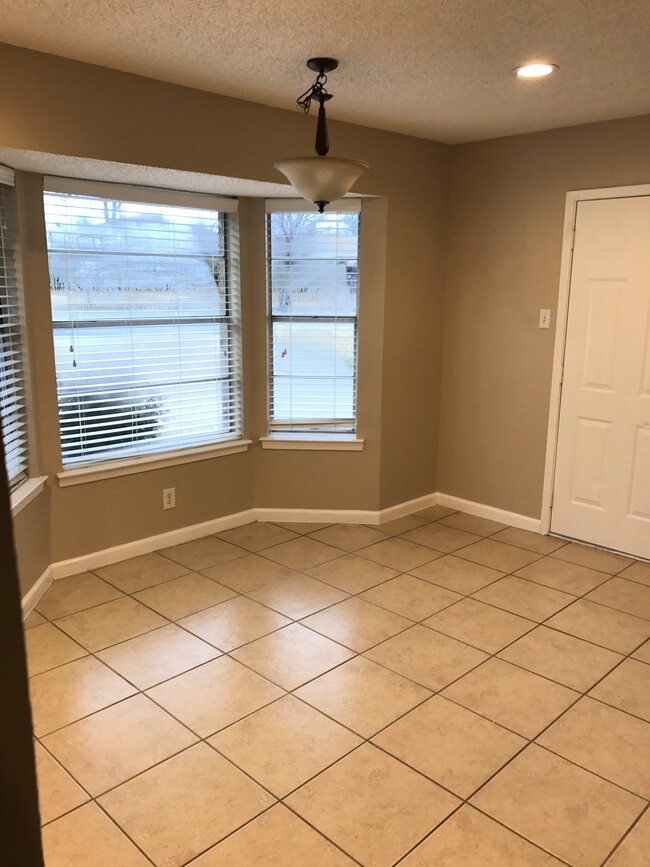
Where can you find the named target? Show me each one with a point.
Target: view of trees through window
(146, 326)
(313, 292)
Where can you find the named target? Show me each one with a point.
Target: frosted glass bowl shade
(321, 179)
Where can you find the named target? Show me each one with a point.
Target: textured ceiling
(440, 69)
(146, 176)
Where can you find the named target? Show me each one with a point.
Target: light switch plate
(544, 318)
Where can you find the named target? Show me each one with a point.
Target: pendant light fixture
(320, 179)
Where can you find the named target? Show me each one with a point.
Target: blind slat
(12, 382)
(313, 283)
(146, 322)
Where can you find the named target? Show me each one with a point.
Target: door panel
(602, 474)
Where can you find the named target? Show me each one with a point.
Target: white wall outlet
(544, 318)
(169, 498)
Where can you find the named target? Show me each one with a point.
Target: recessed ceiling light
(536, 70)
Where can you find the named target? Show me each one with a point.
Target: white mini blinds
(313, 283)
(145, 310)
(12, 382)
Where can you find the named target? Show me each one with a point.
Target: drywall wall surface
(53, 105)
(507, 202)
(32, 541)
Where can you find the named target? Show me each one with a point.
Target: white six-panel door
(601, 490)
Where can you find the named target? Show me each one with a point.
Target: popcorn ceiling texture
(431, 68)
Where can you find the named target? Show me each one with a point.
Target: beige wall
(506, 214)
(58, 106)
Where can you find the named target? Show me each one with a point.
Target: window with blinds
(145, 311)
(313, 289)
(12, 380)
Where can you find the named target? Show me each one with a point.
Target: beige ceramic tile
(248, 573)
(285, 744)
(363, 696)
(202, 553)
(593, 558)
(639, 572)
(473, 524)
(156, 656)
(440, 537)
(57, 791)
(113, 745)
(184, 596)
(643, 653)
(234, 623)
(357, 624)
(530, 541)
(388, 807)
(301, 527)
(141, 572)
(453, 746)
(563, 658)
(565, 809)
(470, 839)
(483, 626)
(458, 575)
(352, 573)
(562, 575)
(601, 625)
(433, 513)
(70, 692)
(519, 700)
(302, 553)
(623, 595)
(605, 741)
(88, 838)
(498, 555)
(69, 595)
(255, 537)
(298, 596)
(47, 647)
(215, 695)
(33, 619)
(183, 806)
(401, 525)
(348, 537)
(100, 627)
(399, 554)
(292, 656)
(427, 657)
(411, 597)
(635, 847)
(277, 838)
(628, 688)
(523, 597)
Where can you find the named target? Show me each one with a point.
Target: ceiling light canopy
(536, 70)
(321, 179)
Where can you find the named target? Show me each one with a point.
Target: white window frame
(108, 468)
(307, 440)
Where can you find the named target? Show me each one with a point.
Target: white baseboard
(30, 599)
(107, 556)
(318, 516)
(97, 559)
(406, 508)
(513, 519)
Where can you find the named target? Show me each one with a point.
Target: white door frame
(570, 213)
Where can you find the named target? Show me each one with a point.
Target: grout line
(626, 835)
(365, 740)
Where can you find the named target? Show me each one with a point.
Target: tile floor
(442, 691)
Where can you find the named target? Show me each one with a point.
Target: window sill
(109, 470)
(313, 443)
(25, 493)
